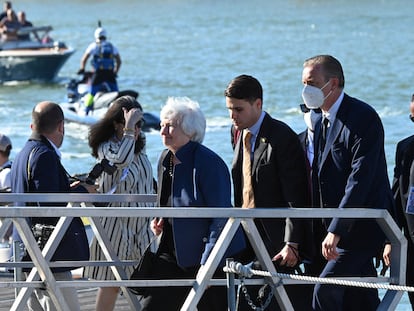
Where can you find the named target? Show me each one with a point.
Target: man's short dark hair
(331, 67)
(244, 87)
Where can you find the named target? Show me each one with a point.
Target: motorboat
(74, 106)
(36, 58)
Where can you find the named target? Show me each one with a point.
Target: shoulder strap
(28, 169)
(29, 166)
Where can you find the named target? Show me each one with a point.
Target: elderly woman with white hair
(189, 175)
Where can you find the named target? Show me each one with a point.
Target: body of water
(194, 48)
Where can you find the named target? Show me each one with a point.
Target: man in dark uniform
(37, 169)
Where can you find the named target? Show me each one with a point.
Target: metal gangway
(41, 274)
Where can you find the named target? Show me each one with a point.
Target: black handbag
(144, 270)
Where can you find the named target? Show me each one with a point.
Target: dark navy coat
(353, 173)
(202, 179)
(37, 169)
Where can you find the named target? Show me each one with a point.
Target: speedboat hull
(32, 65)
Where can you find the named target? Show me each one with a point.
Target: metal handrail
(235, 216)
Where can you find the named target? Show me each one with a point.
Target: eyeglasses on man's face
(305, 109)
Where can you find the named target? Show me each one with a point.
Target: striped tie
(248, 195)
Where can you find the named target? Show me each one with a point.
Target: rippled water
(194, 48)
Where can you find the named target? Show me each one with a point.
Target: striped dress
(128, 235)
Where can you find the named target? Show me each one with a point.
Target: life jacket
(103, 59)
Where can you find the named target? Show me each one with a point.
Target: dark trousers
(172, 298)
(315, 265)
(328, 297)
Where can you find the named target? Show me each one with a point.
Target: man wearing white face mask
(348, 171)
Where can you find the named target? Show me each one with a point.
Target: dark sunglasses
(305, 109)
(140, 124)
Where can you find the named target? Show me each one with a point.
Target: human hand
(329, 246)
(386, 259)
(386, 254)
(131, 117)
(157, 226)
(288, 256)
(75, 184)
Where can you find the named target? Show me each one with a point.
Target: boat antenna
(99, 23)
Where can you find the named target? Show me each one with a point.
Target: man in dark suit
(278, 172)
(350, 172)
(402, 182)
(314, 266)
(37, 168)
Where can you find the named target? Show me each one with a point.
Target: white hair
(187, 114)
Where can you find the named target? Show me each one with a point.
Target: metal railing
(236, 217)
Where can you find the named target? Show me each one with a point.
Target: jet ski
(74, 107)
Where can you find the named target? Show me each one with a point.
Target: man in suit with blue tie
(349, 171)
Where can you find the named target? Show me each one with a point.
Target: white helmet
(100, 32)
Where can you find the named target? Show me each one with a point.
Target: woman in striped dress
(117, 138)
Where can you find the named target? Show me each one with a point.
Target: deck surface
(86, 297)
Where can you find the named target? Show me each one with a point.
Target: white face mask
(311, 118)
(313, 96)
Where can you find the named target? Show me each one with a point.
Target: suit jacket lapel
(160, 170)
(261, 143)
(335, 128)
(236, 154)
(260, 147)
